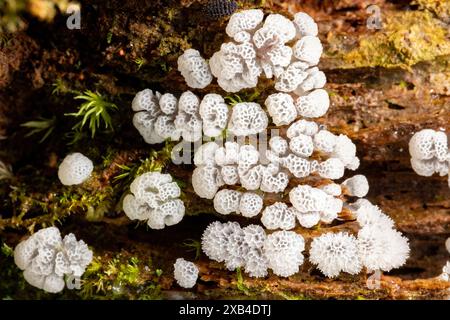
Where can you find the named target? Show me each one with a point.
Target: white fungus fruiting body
(160, 117)
(75, 169)
(307, 219)
(368, 214)
(227, 201)
(305, 25)
(446, 272)
(185, 273)
(283, 250)
(235, 164)
(313, 105)
(357, 186)
(206, 181)
(236, 246)
(244, 21)
(447, 244)
(250, 204)
(247, 118)
(278, 216)
(154, 198)
(47, 258)
(214, 113)
(381, 248)
(281, 108)
(430, 153)
(188, 121)
(275, 47)
(253, 250)
(194, 69)
(238, 176)
(235, 66)
(335, 252)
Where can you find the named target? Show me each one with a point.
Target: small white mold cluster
(298, 166)
(380, 246)
(185, 273)
(275, 47)
(248, 204)
(253, 250)
(155, 199)
(161, 117)
(75, 169)
(430, 153)
(377, 245)
(194, 69)
(334, 253)
(46, 258)
(243, 166)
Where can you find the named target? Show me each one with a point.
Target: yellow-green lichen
(406, 39)
(439, 7)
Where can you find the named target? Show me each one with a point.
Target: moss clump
(406, 39)
(119, 277)
(438, 7)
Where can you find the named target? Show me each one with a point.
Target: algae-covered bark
(384, 84)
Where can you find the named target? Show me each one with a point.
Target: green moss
(290, 296)
(193, 246)
(406, 39)
(240, 282)
(155, 162)
(119, 277)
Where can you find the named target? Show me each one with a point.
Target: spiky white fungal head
(368, 214)
(334, 253)
(382, 248)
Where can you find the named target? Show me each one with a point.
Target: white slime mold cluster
(155, 199)
(430, 153)
(46, 259)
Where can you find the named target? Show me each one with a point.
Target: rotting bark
(384, 85)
